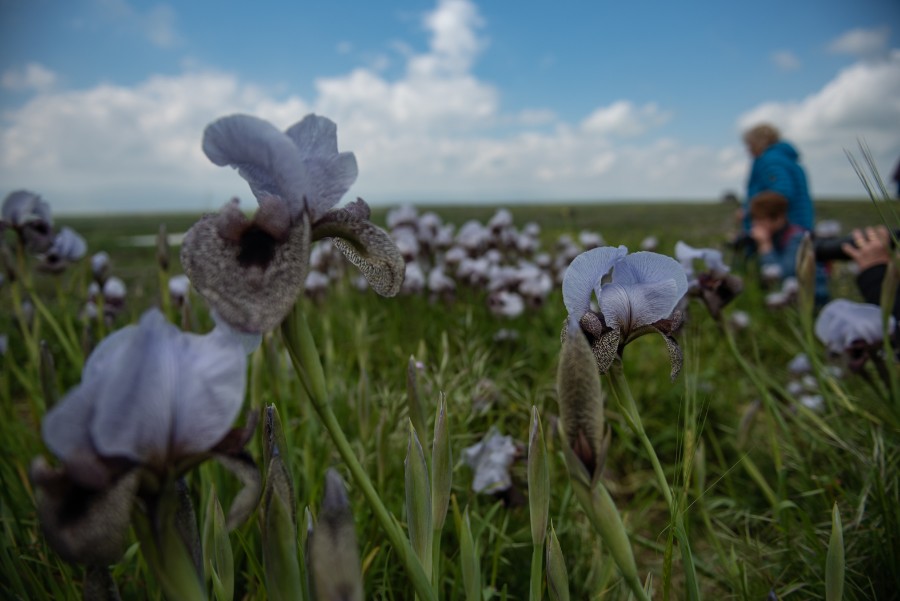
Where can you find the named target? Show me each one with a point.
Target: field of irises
(433, 402)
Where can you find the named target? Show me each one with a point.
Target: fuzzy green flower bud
(581, 400)
(334, 554)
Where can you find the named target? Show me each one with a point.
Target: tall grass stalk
(304, 356)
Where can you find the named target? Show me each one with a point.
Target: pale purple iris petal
(264, 156)
(842, 322)
(133, 415)
(209, 395)
(152, 394)
(585, 273)
(68, 245)
(649, 268)
(329, 173)
(314, 136)
(65, 428)
(633, 306)
(21, 207)
(712, 258)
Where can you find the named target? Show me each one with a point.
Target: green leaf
(471, 567)
(418, 501)
(834, 561)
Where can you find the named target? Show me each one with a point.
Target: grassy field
(755, 474)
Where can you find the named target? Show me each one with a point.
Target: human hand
(762, 236)
(871, 246)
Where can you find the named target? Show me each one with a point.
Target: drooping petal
(367, 246)
(66, 427)
(842, 322)
(585, 273)
(249, 277)
(134, 403)
(329, 173)
(264, 156)
(210, 389)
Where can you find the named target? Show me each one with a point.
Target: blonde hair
(762, 136)
(768, 205)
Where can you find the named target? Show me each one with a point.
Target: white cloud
(624, 119)
(861, 102)
(786, 60)
(34, 77)
(862, 43)
(435, 133)
(134, 148)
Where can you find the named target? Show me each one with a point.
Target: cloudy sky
(104, 102)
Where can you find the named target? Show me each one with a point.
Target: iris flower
(636, 294)
(715, 286)
(852, 329)
(153, 402)
(252, 270)
(29, 216)
(68, 246)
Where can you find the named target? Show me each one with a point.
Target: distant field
(620, 223)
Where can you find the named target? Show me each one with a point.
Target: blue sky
(104, 101)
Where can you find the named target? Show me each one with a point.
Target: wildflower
(29, 215)
(491, 459)
(740, 320)
(715, 286)
(334, 561)
(636, 295)
(68, 246)
(252, 271)
(179, 288)
(100, 266)
(650, 243)
(153, 401)
(852, 329)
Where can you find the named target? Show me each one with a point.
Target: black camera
(829, 249)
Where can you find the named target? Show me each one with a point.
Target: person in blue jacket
(776, 168)
(778, 241)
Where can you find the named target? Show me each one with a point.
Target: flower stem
(619, 384)
(301, 345)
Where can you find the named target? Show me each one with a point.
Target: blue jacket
(778, 169)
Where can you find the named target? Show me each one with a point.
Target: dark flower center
(257, 247)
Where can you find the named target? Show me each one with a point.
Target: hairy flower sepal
(636, 295)
(252, 271)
